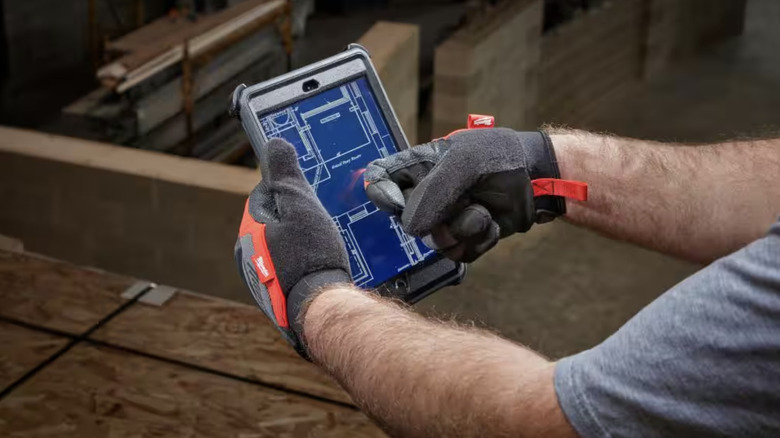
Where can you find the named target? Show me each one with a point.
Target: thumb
(282, 162)
(286, 182)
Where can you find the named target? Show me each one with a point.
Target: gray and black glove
(288, 246)
(464, 192)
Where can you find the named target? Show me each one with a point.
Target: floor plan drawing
(336, 133)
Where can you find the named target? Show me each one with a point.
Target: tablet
(337, 116)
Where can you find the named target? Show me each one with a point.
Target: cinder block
(679, 28)
(395, 53)
(585, 59)
(481, 69)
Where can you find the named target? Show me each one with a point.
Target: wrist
(331, 304)
(562, 145)
(543, 164)
(307, 288)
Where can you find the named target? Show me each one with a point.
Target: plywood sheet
(94, 392)
(221, 335)
(56, 295)
(22, 349)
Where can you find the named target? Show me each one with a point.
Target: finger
(473, 221)
(282, 162)
(472, 248)
(435, 199)
(440, 239)
(389, 181)
(294, 197)
(386, 195)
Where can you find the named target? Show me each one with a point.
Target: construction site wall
(562, 75)
(489, 67)
(590, 60)
(395, 53)
(679, 28)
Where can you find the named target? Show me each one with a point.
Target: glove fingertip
(387, 196)
(282, 160)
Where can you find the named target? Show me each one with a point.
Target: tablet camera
(310, 85)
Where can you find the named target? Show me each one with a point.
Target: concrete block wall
(589, 60)
(395, 53)
(503, 65)
(677, 29)
(171, 220)
(489, 67)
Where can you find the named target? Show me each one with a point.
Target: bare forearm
(695, 202)
(421, 378)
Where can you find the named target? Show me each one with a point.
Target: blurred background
(116, 152)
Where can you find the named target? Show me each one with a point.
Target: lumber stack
(395, 52)
(168, 85)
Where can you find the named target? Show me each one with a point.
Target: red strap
(543, 186)
(264, 266)
(576, 190)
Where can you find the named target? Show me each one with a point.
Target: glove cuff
(300, 296)
(542, 163)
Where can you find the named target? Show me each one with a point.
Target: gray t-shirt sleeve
(703, 360)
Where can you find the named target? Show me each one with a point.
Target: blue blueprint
(336, 133)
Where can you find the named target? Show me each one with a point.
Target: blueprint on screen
(336, 133)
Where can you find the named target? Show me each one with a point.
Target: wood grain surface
(218, 334)
(99, 392)
(22, 349)
(56, 295)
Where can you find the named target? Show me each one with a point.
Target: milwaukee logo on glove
(261, 266)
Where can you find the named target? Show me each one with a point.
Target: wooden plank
(218, 334)
(96, 392)
(148, 37)
(22, 349)
(210, 107)
(56, 295)
(166, 102)
(205, 34)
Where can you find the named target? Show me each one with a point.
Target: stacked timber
(168, 87)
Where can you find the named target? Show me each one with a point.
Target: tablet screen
(336, 133)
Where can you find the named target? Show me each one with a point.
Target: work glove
(464, 192)
(288, 247)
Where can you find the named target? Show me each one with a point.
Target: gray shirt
(701, 360)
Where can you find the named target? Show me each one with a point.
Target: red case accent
(264, 266)
(478, 121)
(560, 187)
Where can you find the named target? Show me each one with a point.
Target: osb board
(22, 349)
(56, 295)
(221, 335)
(98, 392)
